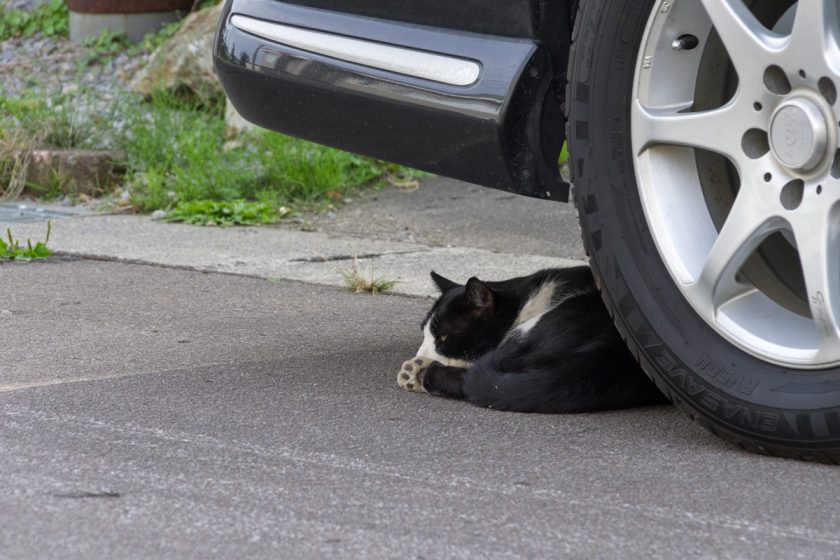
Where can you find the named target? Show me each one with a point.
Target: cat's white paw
(407, 377)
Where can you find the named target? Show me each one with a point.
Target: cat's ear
(443, 284)
(480, 296)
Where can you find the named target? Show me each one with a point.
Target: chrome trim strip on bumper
(420, 64)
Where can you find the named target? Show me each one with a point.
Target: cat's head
(463, 324)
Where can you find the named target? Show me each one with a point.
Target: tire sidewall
(694, 364)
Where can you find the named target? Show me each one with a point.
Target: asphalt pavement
(219, 407)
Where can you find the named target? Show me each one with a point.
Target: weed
(228, 213)
(59, 121)
(101, 48)
(311, 173)
(50, 20)
(14, 252)
(360, 282)
(176, 153)
(151, 41)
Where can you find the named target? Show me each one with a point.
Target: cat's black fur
(571, 360)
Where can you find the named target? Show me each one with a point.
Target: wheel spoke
(815, 28)
(818, 242)
(717, 130)
(750, 221)
(750, 45)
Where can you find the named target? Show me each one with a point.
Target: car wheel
(704, 142)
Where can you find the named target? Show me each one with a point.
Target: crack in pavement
(352, 257)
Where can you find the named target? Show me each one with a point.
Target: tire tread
(696, 415)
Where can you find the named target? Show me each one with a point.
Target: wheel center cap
(799, 134)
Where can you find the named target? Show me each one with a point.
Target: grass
(358, 281)
(58, 121)
(52, 20)
(224, 214)
(175, 151)
(177, 159)
(177, 154)
(12, 250)
(49, 20)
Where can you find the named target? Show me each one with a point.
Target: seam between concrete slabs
(269, 279)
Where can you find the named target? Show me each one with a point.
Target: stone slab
(279, 253)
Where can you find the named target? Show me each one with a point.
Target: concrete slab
(69, 320)
(277, 253)
(277, 431)
(444, 212)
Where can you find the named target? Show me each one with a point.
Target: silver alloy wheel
(777, 129)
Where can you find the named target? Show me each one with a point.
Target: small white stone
(158, 214)
(5, 314)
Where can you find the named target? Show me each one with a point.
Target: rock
(231, 145)
(85, 172)
(185, 61)
(158, 214)
(5, 314)
(235, 124)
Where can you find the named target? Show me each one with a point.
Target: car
(704, 156)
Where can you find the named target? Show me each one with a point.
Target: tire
(741, 389)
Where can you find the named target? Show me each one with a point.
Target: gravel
(21, 4)
(53, 65)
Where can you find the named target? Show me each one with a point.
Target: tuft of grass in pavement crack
(358, 281)
(12, 250)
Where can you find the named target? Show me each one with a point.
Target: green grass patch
(177, 153)
(151, 41)
(54, 121)
(227, 213)
(177, 158)
(50, 20)
(11, 249)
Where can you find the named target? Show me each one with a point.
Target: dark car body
(483, 102)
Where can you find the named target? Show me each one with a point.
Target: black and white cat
(540, 343)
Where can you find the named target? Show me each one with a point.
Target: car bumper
(477, 107)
